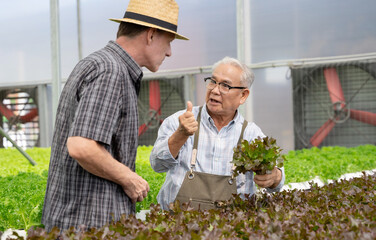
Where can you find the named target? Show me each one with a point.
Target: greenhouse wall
(284, 29)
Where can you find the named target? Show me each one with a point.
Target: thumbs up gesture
(187, 122)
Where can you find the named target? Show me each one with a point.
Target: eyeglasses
(223, 87)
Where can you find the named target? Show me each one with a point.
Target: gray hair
(247, 76)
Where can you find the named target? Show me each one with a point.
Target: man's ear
(245, 94)
(150, 35)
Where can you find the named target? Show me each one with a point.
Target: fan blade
(334, 85)
(155, 96)
(29, 116)
(321, 134)
(154, 104)
(6, 112)
(363, 116)
(142, 129)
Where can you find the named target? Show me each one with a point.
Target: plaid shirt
(99, 102)
(214, 153)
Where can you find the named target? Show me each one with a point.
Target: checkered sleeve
(98, 107)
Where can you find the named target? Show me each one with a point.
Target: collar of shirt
(207, 119)
(135, 70)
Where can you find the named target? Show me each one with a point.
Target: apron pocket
(206, 191)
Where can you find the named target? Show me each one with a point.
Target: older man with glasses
(195, 146)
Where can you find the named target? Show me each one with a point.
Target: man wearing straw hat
(91, 179)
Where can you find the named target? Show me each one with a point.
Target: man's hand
(94, 158)
(187, 127)
(187, 122)
(135, 187)
(269, 180)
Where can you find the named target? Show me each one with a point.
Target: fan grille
(313, 105)
(171, 100)
(19, 117)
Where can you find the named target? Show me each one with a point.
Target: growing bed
(300, 214)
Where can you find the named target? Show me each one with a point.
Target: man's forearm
(175, 142)
(95, 159)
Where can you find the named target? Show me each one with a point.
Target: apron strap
(197, 133)
(245, 123)
(195, 141)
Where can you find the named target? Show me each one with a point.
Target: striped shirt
(214, 154)
(98, 102)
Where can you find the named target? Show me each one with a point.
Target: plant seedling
(260, 155)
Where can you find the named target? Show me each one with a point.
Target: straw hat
(160, 14)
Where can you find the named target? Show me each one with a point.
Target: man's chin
(152, 69)
(213, 108)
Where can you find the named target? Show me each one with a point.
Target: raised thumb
(189, 106)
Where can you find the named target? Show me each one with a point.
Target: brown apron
(203, 190)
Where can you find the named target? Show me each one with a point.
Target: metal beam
(189, 84)
(79, 30)
(243, 27)
(44, 124)
(55, 56)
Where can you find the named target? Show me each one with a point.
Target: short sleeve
(98, 108)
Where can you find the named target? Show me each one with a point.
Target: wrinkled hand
(136, 187)
(187, 122)
(268, 180)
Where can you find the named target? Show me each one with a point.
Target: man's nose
(169, 53)
(216, 89)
